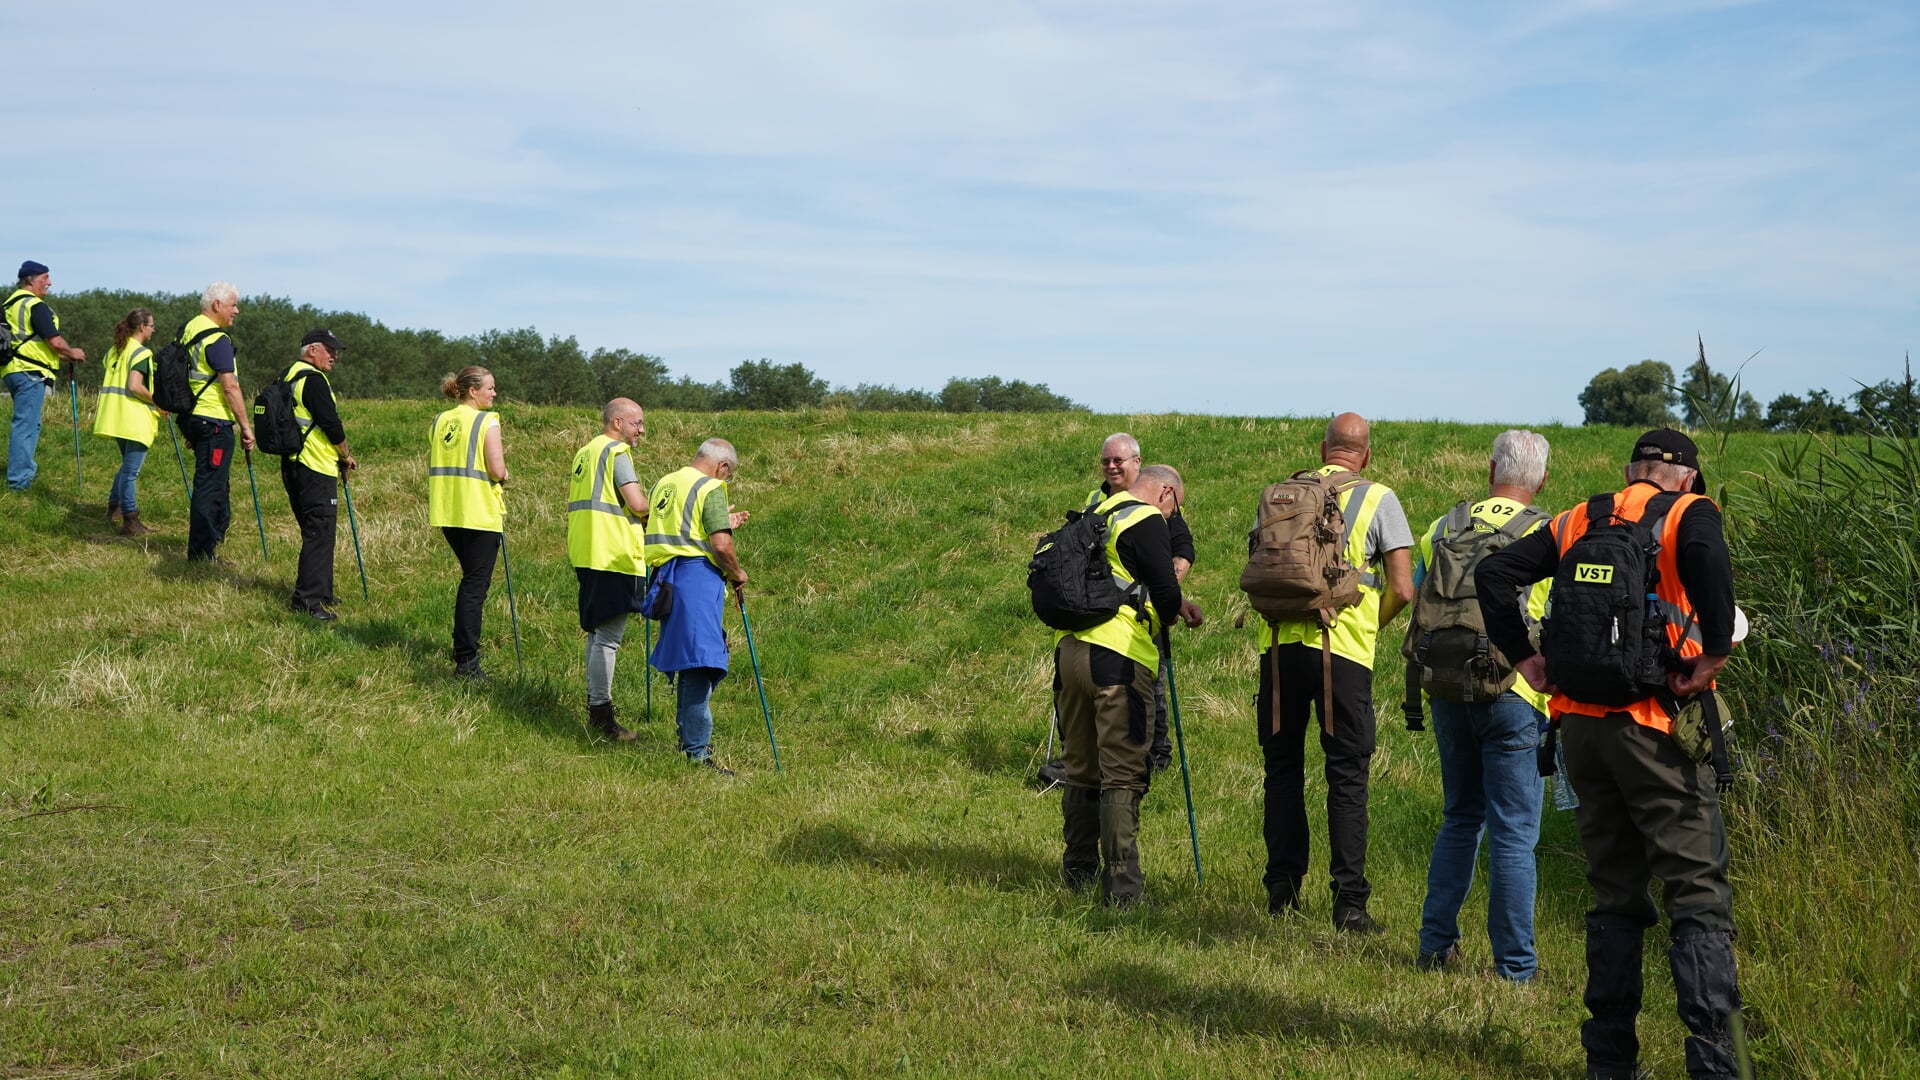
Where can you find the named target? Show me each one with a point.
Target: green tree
(1817, 412)
(1639, 395)
(1712, 400)
(1892, 405)
(763, 384)
(874, 398)
(628, 374)
(989, 394)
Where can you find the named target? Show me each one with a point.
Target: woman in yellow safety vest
(127, 415)
(465, 468)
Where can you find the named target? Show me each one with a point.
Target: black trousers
(1349, 756)
(314, 497)
(476, 550)
(209, 511)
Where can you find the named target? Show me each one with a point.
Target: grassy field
(268, 847)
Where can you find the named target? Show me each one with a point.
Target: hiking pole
(512, 613)
(741, 599)
(649, 625)
(347, 490)
(1180, 741)
(257, 519)
(73, 391)
(174, 430)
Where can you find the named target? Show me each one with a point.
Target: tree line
(386, 363)
(1646, 394)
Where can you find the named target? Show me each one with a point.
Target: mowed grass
(234, 842)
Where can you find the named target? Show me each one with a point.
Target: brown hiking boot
(130, 525)
(113, 513)
(600, 717)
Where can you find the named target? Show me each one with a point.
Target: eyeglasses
(1118, 460)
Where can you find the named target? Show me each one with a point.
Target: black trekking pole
(512, 613)
(73, 390)
(347, 490)
(1180, 741)
(257, 519)
(741, 599)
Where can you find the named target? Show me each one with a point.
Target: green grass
(305, 850)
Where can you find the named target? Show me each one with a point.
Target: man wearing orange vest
(1647, 808)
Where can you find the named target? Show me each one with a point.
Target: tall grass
(1828, 548)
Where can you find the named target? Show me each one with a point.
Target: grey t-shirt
(1389, 530)
(623, 473)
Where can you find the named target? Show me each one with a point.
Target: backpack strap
(1658, 507)
(190, 343)
(1722, 767)
(1522, 522)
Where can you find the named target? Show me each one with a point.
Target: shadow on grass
(1236, 1008)
(959, 863)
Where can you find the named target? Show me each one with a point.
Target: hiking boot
(313, 611)
(600, 717)
(130, 524)
(1053, 772)
(470, 671)
(707, 763)
(1438, 961)
(1080, 830)
(1355, 920)
(113, 513)
(1121, 883)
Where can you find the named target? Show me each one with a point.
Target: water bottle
(1563, 796)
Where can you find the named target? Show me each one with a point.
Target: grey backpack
(1446, 641)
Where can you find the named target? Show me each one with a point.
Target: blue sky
(1412, 210)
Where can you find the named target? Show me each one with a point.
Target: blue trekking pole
(73, 390)
(347, 490)
(512, 614)
(1180, 740)
(257, 519)
(740, 598)
(173, 430)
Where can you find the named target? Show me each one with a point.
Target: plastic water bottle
(1563, 796)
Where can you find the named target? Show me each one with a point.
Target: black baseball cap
(1674, 448)
(322, 337)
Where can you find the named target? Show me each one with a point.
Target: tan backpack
(1297, 568)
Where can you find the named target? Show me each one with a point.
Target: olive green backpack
(1446, 645)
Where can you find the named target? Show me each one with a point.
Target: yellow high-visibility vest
(677, 526)
(316, 451)
(1356, 629)
(202, 380)
(120, 415)
(35, 355)
(601, 534)
(1126, 633)
(460, 493)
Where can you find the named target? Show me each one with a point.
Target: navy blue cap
(33, 269)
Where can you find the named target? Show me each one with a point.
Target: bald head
(1347, 441)
(623, 419)
(1153, 485)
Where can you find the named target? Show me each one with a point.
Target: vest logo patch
(1593, 573)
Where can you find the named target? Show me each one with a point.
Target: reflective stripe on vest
(460, 493)
(1683, 624)
(316, 454)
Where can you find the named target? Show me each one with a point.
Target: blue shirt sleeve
(220, 354)
(41, 321)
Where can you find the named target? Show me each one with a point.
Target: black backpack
(1447, 641)
(1070, 581)
(1605, 635)
(276, 430)
(173, 390)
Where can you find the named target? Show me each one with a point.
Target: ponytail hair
(135, 320)
(463, 382)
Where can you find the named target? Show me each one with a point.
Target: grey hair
(1124, 438)
(1665, 473)
(218, 291)
(1520, 459)
(718, 451)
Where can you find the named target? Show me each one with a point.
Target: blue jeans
(120, 493)
(1491, 784)
(693, 689)
(29, 394)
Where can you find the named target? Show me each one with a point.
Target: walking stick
(1180, 740)
(347, 490)
(512, 614)
(73, 390)
(174, 430)
(257, 519)
(741, 599)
